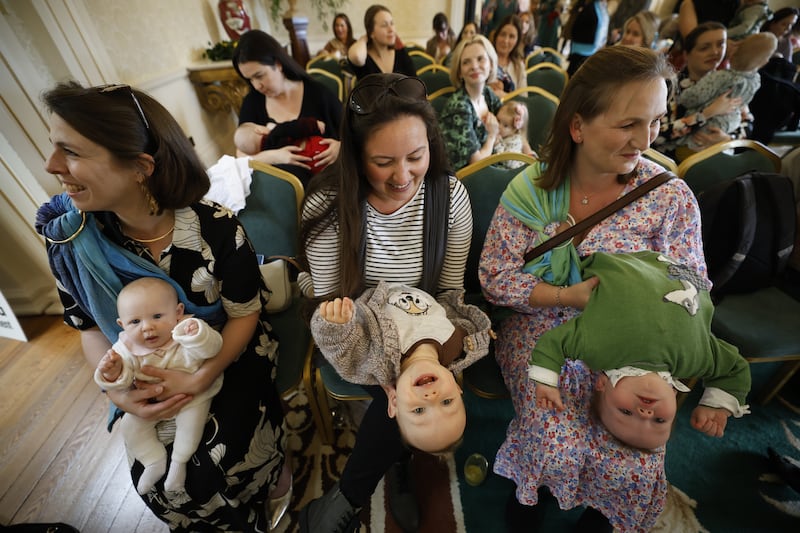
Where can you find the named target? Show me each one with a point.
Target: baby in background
(512, 119)
(741, 80)
(305, 132)
(155, 332)
(421, 343)
(646, 325)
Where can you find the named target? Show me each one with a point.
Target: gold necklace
(147, 241)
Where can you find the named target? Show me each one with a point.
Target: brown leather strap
(594, 218)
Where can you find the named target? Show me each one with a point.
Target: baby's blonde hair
(754, 51)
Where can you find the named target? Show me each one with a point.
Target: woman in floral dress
(608, 115)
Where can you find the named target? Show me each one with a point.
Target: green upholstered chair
(439, 98)
(420, 58)
(485, 183)
(549, 76)
(545, 55)
(326, 62)
(333, 82)
(323, 384)
(665, 161)
(271, 220)
(435, 77)
(727, 160)
(541, 106)
(534, 58)
(763, 324)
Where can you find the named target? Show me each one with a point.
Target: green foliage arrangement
(221, 51)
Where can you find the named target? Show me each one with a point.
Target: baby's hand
(338, 311)
(110, 366)
(710, 420)
(548, 397)
(191, 327)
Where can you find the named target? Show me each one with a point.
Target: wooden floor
(57, 461)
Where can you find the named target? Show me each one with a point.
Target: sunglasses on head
(366, 94)
(111, 88)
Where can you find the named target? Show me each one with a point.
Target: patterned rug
(317, 467)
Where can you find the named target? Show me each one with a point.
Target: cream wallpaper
(413, 19)
(149, 38)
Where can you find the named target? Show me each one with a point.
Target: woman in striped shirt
(386, 210)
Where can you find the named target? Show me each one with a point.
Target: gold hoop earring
(152, 204)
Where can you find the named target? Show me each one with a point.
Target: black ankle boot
(331, 513)
(402, 500)
(593, 521)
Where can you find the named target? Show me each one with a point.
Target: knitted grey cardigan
(366, 350)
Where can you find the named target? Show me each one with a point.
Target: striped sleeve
(458, 238)
(394, 244)
(322, 249)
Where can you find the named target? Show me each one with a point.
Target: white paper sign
(9, 325)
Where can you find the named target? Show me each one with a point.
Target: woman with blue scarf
(609, 113)
(132, 207)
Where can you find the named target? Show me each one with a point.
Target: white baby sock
(152, 473)
(176, 478)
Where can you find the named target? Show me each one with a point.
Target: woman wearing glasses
(386, 210)
(281, 97)
(132, 207)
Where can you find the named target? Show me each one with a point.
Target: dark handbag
(596, 217)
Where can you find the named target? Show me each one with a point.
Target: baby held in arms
(155, 332)
(512, 120)
(647, 324)
(424, 342)
(742, 80)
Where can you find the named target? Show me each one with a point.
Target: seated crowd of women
(382, 204)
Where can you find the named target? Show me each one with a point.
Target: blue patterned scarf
(93, 270)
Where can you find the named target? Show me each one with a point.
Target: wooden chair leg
(317, 399)
(776, 383)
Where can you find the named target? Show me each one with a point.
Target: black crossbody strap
(593, 219)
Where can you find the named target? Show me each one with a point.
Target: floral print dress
(570, 452)
(242, 450)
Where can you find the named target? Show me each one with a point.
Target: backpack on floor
(748, 231)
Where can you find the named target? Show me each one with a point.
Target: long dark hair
(517, 53)
(255, 45)
(348, 178)
(369, 19)
(109, 116)
(349, 39)
(780, 14)
(589, 93)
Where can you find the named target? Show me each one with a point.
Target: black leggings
(378, 446)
